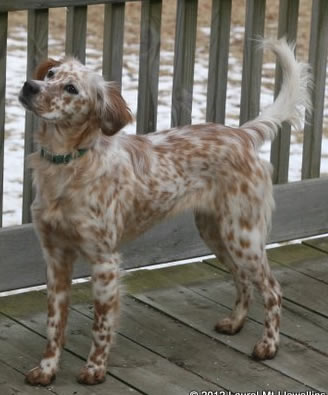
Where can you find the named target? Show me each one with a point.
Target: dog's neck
(63, 139)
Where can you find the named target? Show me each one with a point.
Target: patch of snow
(15, 121)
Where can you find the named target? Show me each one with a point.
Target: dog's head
(66, 92)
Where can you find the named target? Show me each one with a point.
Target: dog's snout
(30, 88)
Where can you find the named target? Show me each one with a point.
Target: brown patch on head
(42, 70)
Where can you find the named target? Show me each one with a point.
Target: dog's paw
(91, 375)
(264, 350)
(228, 326)
(38, 376)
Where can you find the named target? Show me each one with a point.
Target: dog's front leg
(105, 286)
(59, 275)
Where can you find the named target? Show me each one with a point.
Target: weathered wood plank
(288, 19)
(218, 61)
(12, 382)
(113, 42)
(3, 64)
(184, 59)
(76, 32)
(22, 264)
(318, 61)
(252, 60)
(37, 50)
(320, 243)
(187, 305)
(17, 5)
(21, 349)
(150, 41)
(130, 362)
(304, 259)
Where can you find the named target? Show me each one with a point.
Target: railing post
(184, 60)
(3, 63)
(318, 61)
(37, 50)
(76, 32)
(252, 60)
(288, 17)
(218, 61)
(113, 42)
(150, 41)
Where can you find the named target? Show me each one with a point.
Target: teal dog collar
(59, 159)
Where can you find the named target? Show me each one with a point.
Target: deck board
(166, 343)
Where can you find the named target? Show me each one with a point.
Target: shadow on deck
(166, 344)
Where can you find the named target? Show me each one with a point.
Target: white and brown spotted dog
(96, 188)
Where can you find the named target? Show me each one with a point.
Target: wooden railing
(302, 207)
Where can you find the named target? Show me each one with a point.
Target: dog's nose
(30, 88)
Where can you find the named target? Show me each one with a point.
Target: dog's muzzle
(30, 89)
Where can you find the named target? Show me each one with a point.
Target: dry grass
(57, 23)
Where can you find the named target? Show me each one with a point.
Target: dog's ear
(42, 70)
(114, 112)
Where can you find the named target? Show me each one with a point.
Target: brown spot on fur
(244, 188)
(231, 235)
(271, 302)
(245, 224)
(50, 352)
(51, 309)
(244, 243)
(67, 100)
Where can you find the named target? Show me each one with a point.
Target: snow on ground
(15, 121)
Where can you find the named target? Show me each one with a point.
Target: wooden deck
(166, 344)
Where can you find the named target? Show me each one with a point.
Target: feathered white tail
(293, 96)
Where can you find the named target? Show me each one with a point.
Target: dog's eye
(71, 89)
(50, 74)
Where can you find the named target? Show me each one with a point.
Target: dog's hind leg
(209, 230)
(269, 288)
(241, 247)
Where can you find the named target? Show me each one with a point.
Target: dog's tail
(293, 96)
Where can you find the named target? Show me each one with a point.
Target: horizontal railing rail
(314, 219)
(22, 264)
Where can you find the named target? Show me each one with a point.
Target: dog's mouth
(25, 102)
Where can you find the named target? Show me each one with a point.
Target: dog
(97, 188)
